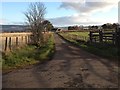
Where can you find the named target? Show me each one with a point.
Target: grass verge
(100, 49)
(28, 55)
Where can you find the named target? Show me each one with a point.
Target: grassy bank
(28, 55)
(100, 49)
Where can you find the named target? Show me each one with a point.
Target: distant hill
(19, 28)
(13, 28)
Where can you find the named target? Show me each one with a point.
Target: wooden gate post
(117, 42)
(118, 37)
(90, 35)
(100, 36)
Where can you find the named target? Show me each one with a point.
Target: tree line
(104, 26)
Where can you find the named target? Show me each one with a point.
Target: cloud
(73, 20)
(80, 20)
(85, 10)
(88, 7)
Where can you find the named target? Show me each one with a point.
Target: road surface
(70, 67)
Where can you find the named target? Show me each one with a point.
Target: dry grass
(13, 34)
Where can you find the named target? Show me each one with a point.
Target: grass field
(84, 34)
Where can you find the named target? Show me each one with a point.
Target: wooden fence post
(6, 43)
(10, 43)
(22, 39)
(100, 36)
(16, 41)
(26, 39)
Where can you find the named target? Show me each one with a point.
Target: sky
(63, 12)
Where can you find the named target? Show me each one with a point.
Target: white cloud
(88, 7)
(85, 10)
(74, 20)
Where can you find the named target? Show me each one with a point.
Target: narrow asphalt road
(70, 67)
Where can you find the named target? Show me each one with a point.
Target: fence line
(11, 41)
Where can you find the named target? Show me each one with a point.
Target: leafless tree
(35, 17)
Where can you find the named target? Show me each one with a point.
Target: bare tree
(35, 17)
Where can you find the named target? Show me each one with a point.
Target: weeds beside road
(28, 55)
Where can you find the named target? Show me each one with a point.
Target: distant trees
(105, 26)
(93, 27)
(47, 25)
(115, 25)
(110, 26)
(73, 28)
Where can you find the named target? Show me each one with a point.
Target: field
(84, 36)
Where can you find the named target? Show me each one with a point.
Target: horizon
(63, 14)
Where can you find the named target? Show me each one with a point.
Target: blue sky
(64, 13)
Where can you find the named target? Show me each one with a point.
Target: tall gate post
(100, 36)
(118, 40)
(90, 35)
